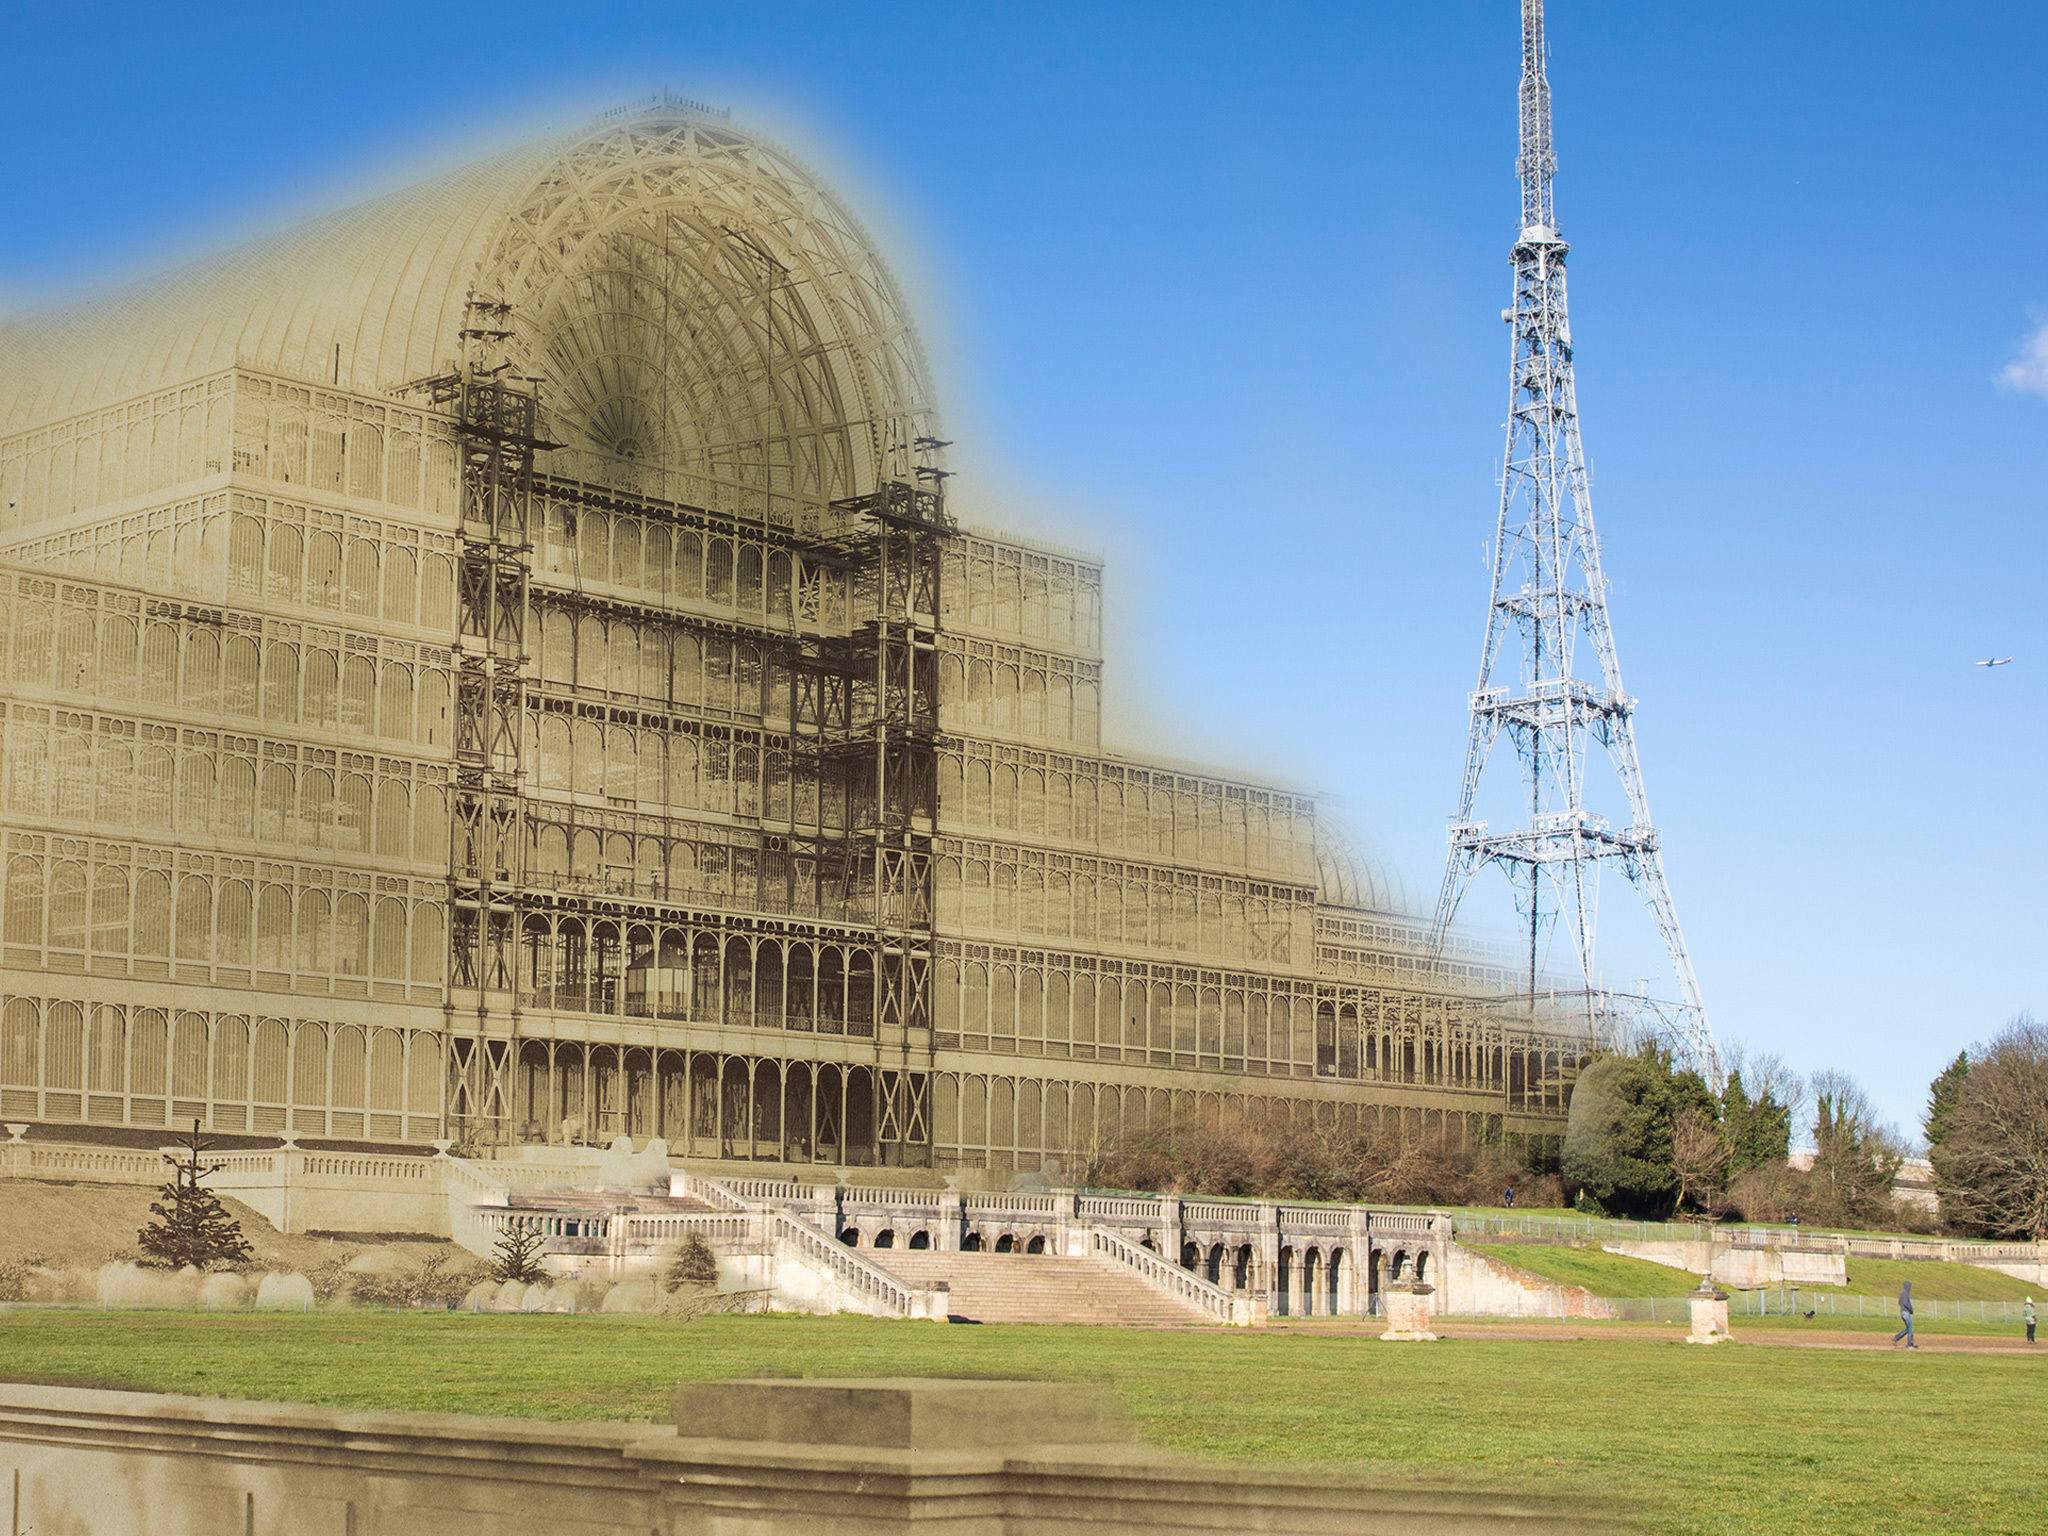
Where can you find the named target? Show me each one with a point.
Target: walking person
(1906, 1316)
(2027, 1312)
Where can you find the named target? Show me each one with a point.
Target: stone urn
(1709, 1314)
(1408, 1312)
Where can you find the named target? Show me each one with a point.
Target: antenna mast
(1548, 592)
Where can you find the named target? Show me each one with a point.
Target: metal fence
(1584, 1229)
(1797, 1303)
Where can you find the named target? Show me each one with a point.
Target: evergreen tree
(1755, 1131)
(517, 1256)
(1619, 1136)
(693, 1265)
(192, 1226)
(1942, 1094)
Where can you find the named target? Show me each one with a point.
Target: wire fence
(1797, 1303)
(1583, 1228)
(1766, 1303)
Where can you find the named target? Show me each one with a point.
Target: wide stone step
(1041, 1288)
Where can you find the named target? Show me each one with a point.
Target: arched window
(351, 935)
(195, 919)
(394, 818)
(359, 696)
(388, 956)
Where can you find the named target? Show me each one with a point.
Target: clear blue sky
(1215, 289)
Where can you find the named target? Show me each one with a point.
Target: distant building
(497, 664)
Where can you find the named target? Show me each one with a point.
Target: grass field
(1934, 1281)
(1614, 1274)
(1729, 1440)
(1604, 1274)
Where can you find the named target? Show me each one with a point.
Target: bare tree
(1992, 1163)
(1698, 1154)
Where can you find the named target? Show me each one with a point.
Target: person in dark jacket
(1906, 1316)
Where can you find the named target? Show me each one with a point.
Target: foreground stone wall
(946, 1458)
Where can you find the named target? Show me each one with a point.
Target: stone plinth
(1709, 1315)
(756, 1458)
(1408, 1312)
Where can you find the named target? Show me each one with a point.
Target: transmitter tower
(1550, 603)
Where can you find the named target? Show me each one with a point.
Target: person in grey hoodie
(1906, 1316)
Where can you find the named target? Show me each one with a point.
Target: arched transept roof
(687, 294)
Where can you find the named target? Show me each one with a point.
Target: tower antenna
(1548, 592)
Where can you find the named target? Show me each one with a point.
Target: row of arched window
(714, 1104)
(1156, 821)
(680, 770)
(1138, 908)
(579, 546)
(67, 905)
(1044, 597)
(199, 790)
(275, 561)
(112, 1064)
(642, 970)
(328, 441)
(129, 450)
(238, 676)
(1035, 697)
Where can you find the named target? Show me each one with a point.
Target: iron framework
(1549, 591)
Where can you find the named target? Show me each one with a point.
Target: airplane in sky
(1996, 661)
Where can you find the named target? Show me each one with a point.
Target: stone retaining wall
(798, 1458)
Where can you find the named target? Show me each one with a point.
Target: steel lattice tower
(1548, 590)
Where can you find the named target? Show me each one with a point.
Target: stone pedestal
(1408, 1312)
(1709, 1315)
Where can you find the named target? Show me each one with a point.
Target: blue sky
(1215, 290)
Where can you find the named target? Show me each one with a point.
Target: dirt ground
(85, 1225)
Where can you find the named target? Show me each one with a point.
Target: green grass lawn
(1604, 1274)
(1728, 1440)
(1934, 1280)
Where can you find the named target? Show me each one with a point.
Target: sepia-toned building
(497, 664)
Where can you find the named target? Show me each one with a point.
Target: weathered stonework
(1408, 1312)
(1709, 1315)
(775, 1458)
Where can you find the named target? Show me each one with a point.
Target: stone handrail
(1233, 1214)
(1013, 1205)
(45, 1161)
(1170, 1278)
(713, 1192)
(713, 1226)
(367, 1166)
(523, 1174)
(852, 1269)
(1119, 1208)
(1402, 1221)
(1320, 1218)
(913, 1199)
(467, 1180)
(769, 1189)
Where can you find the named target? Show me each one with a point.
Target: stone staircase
(1040, 1288)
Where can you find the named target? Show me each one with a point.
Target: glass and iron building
(499, 664)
